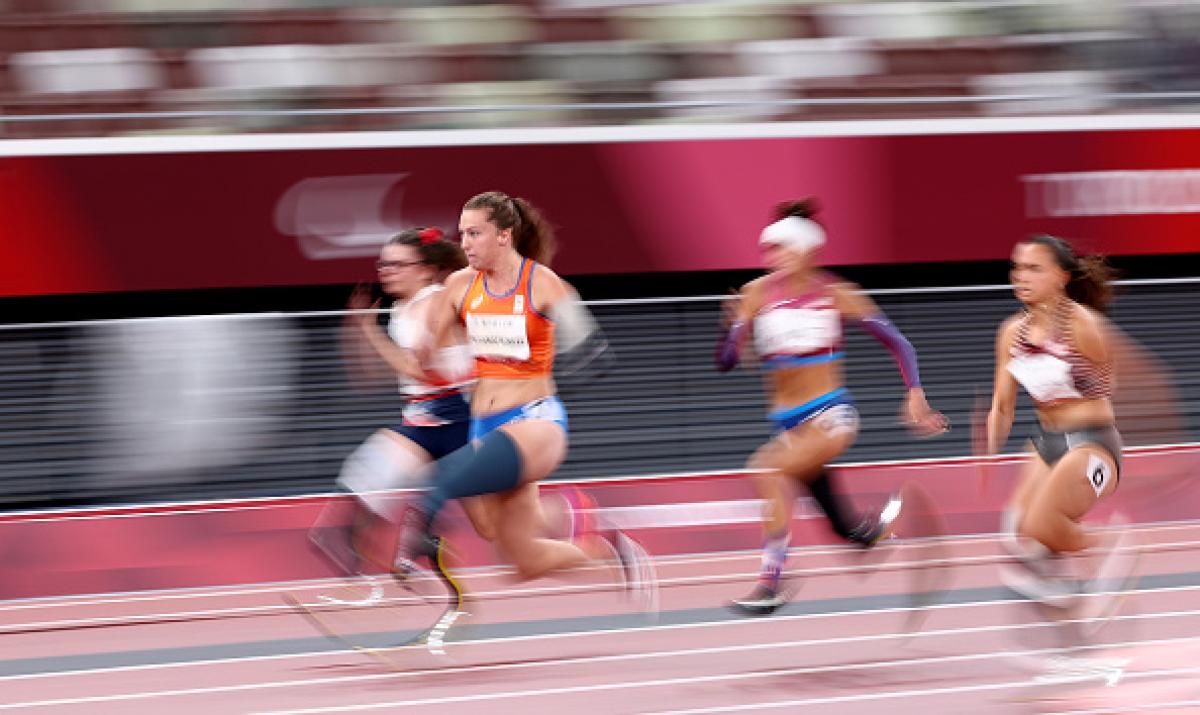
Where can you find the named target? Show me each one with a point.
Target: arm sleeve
(729, 347)
(905, 355)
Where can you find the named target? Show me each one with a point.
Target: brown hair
(1091, 276)
(433, 248)
(799, 208)
(533, 236)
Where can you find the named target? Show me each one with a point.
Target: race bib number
(1098, 473)
(1045, 377)
(498, 337)
(796, 330)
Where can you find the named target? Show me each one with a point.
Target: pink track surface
(853, 641)
(977, 655)
(228, 543)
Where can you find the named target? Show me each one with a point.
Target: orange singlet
(509, 338)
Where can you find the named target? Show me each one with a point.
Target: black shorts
(438, 441)
(439, 424)
(1053, 446)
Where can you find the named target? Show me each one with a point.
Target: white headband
(798, 234)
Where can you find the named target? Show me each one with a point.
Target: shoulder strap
(471, 287)
(1022, 337)
(1062, 322)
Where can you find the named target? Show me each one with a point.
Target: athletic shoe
(1041, 580)
(764, 600)
(874, 530)
(637, 570)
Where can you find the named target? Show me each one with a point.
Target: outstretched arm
(855, 306)
(879, 327)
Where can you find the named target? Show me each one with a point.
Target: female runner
(436, 418)
(1059, 348)
(794, 315)
(518, 314)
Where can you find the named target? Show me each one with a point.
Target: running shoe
(1043, 580)
(765, 599)
(637, 570)
(876, 529)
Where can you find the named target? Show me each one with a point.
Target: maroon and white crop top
(798, 329)
(1055, 371)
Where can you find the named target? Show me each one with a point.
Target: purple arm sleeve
(729, 347)
(906, 357)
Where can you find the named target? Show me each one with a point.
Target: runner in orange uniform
(518, 316)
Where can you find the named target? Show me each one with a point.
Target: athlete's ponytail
(533, 236)
(1091, 276)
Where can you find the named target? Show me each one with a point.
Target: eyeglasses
(395, 265)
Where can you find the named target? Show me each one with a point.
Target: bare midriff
(492, 396)
(792, 386)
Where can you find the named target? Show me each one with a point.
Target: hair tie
(433, 234)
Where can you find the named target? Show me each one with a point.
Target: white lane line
(735, 677)
(555, 636)
(802, 552)
(893, 694)
(617, 658)
(274, 589)
(273, 609)
(513, 593)
(624, 630)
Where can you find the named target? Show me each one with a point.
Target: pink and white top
(792, 329)
(1054, 371)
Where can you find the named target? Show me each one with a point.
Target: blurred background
(68, 66)
(170, 283)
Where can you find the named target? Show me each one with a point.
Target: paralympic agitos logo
(345, 216)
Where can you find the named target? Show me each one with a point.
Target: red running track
(844, 646)
(224, 544)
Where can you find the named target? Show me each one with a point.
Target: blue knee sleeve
(492, 467)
